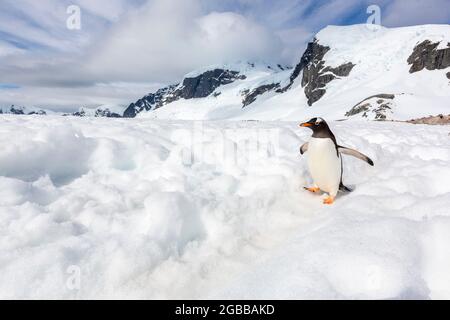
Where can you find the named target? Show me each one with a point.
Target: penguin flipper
(304, 148)
(356, 154)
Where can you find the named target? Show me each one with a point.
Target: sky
(124, 49)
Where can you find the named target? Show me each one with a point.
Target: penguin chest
(324, 164)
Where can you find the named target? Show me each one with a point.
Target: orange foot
(313, 189)
(328, 200)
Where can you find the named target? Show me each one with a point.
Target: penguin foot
(313, 189)
(328, 200)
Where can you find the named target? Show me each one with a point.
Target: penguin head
(315, 124)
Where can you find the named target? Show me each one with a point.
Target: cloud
(7, 49)
(167, 39)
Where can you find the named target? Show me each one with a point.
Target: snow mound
(175, 209)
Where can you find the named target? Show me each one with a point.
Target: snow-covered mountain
(106, 111)
(345, 72)
(20, 110)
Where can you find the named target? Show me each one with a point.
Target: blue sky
(125, 49)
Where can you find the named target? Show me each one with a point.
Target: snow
(186, 209)
(380, 58)
(243, 67)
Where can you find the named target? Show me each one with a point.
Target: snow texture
(124, 207)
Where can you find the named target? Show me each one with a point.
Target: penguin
(325, 160)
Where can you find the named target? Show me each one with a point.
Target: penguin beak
(305, 124)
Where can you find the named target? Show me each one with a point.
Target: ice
(125, 202)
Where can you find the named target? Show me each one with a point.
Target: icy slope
(123, 202)
(350, 63)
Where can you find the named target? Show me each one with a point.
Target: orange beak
(305, 124)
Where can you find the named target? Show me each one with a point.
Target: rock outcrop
(250, 96)
(106, 113)
(376, 107)
(315, 74)
(426, 55)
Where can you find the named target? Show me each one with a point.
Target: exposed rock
(448, 75)
(151, 101)
(313, 49)
(205, 84)
(39, 112)
(14, 110)
(315, 74)
(80, 113)
(106, 113)
(434, 120)
(358, 109)
(376, 107)
(426, 55)
(380, 112)
(250, 97)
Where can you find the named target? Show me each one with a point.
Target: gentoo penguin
(324, 159)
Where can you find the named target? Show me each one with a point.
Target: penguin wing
(304, 148)
(356, 154)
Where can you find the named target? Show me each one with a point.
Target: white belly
(324, 164)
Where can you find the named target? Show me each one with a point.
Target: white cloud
(166, 39)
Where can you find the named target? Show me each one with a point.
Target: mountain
(18, 110)
(209, 82)
(345, 72)
(107, 111)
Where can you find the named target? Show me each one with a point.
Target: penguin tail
(344, 188)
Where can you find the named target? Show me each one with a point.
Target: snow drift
(177, 209)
